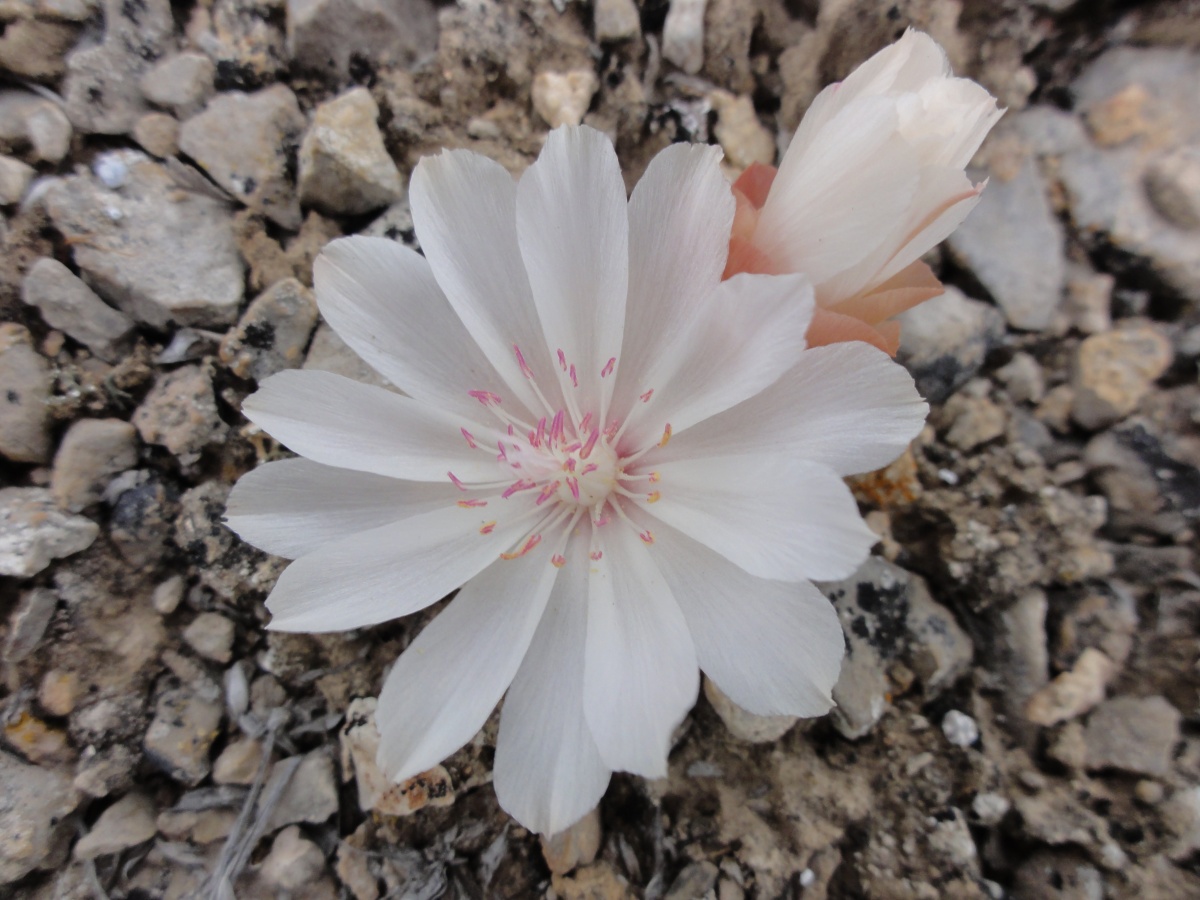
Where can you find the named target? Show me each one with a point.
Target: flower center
(589, 480)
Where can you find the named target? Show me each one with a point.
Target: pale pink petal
(640, 676)
(445, 685)
(947, 119)
(548, 772)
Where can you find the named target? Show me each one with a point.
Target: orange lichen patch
(37, 741)
(1121, 117)
(893, 486)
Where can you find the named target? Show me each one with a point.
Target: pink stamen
(646, 396)
(556, 427)
(596, 554)
(591, 443)
(458, 484)
(547, 492)
(569, 465)
(525, 370)
(587, 420)
(484, 397)
(533, 541)
(487, 527)
(470, 439)
(666, 436)
(541, 432)
(503, 455)
(573, 484)
(558, 561)
(572, 447)
(655, 478)
(562, 360)
(601, 522)
(590, 467)
(613, 427)
(510, 431)
(521, 485)
(472, 504)
(647, 536)
(608, 367)
(574, 377)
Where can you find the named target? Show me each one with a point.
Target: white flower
(872, 179)
(629, 466)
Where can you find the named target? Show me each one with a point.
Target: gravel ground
(1018, 713)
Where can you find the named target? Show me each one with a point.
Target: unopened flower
(628, 465)
(872, 179)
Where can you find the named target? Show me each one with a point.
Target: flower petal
(775, 648)
(392, 570)
(742, 337)
(847, 406)
(445, 685)
(296, 506)
(548, 772)
(382, 300)
(573, 229)
(341, 422)
(639, 671)
(464, 208)
(680, 215)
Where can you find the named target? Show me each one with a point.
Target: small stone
(106, 772)
(1114, 371)
(198, 826)
(333, 36)
(310, 795)
(180, 83)
(1074, 692)
(344, 167)
(562, 98)
(69, 305)
(91, 453)
(158, 134)
(180, 412)
(1181, 814)
(329, 353)
(273, 332)
(396, 224)
(1149, 792)
(1021, 642)
(29, 622)
(1089, 301)
(1023, 379)
(574, 847)
(246, 143)
(1067, 746)
(14, 180)
(959, 728)
(1013, 243)
(683, 34)
(696, 880)
(1173, 186)
(38, 742)
(33, 123)
(211, 635)
(616, 20)
(125, 824)
(168, 595)
(184, 728)
(1134, 734)
(944, 341)
(743, 725)
(33, 804)
(238, 762)
(974, 421)
(34, 531)
(990, 808)
(197, 525)
(58, 692)
(742, 136)
(34, 48)
(598, 881)
(26, 381)
(293, 863)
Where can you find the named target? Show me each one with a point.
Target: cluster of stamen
(569, 458)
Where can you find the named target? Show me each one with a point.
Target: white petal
(464, 208)
(932, 233)
(831, 206)
(742, 338)
(775, 516)
(775, 648)
(640, 676)
(381, 298)
(680, 215)
(392, 570)
(344, 423)
(847, 406)
(548, 772)
(947, 120)
(573, 229)
(445, 685)
(296, 506)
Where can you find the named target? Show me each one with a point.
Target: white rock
(91, 453)
(293, 863)
(33, 804)
(683, 35)
(68, 304)
(1073, 692)
(562, 98)
(959, 728)
(33, 122)
(310, 795)
(211, 635)
(616, 20)
(747, 726)
(125, 824)
(34, 531)
(324, 35)
(180, 83)
(14, 180)
(25, 382)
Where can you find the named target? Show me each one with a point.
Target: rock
(1181, 814)
(311, 792)
(165, 256)
(101, 87)
(959, 728)
(577, 846)
(29, 622)
(34, 48)
(944, 341)
(696, 880)
(108, 771)
(1045, 875)
(1023, 379)
(743, 725)
(59, 692)
(197, 526)
(742, 137)
(562, 98)
(598, 881)
(14, 180)
(238, 762)
(200, 826)
(142, 520)
(1114, 371)
(1173, 186)
(331, 36)
(180, 412)
(246, 143)
(26, 380)
(990, 808)
(34, 531)
(1134, 734)
(683, 35)
(1074, 692)
(33, 123)
(91, 453)
(344, 167)
(1013, 243)
(184, 728)
(329, 353)
(34, 803)
(1021, 647)
(66, 303)
(211, 635)
(181, 83)
(939, 651)
(125, 824)
(616, 20)
(273, 332)
(293, 863)
(974, 421)
(1088, 303)
(157, 134)
(360, 746)
(396, 224)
